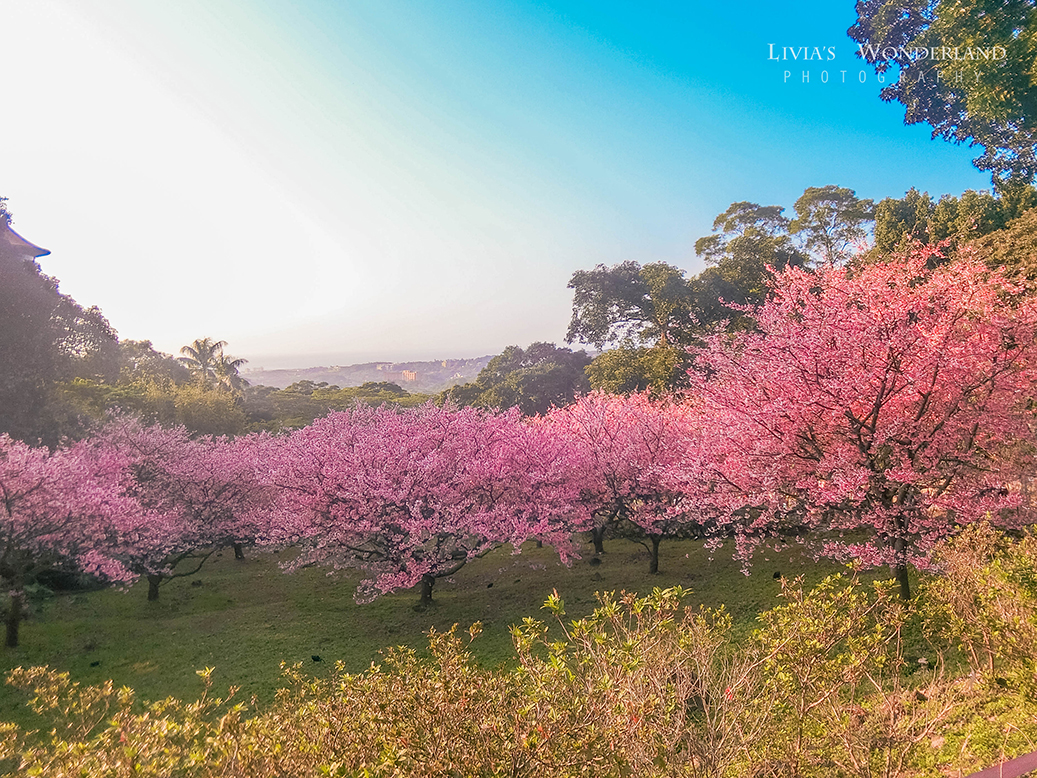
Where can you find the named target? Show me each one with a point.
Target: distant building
(408, 375)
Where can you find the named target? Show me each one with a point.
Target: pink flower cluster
(891, 403)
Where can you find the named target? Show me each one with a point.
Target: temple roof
(19, 243)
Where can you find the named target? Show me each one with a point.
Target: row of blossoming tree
(891, 402)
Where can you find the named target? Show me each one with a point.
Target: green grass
(245, 617)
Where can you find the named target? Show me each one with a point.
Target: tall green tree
(227, 375)
(747, 239)
(140, 361)
(628, 303)
(45, 337)
(201, 357)
(970, 91)
(659, 369)
(830, 220)
(648, 314)
(1013, 248)
(206, 359)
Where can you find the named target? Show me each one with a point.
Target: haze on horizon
(332, 183)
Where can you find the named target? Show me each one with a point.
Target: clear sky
(327, 182)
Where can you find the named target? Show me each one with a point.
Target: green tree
(951, 220)
(1013, 248)
(747, 239)
(300, 403)
(45, 338)
(982, 96)
(227, 375)
(534, 379)
(140, 361)
(627, 369)
(648, 314)
(205, 358)
(201, 357)
(908, 217)
(630, 303)
(204, 410)
(831, 220)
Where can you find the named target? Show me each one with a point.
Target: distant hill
(412, 376)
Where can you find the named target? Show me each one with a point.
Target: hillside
(432, 376)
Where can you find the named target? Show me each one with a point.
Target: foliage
(890, 401)
(45, 337)
(304, 401)
(831, 220)
(628, 303)
(533, 379)
(950, 221)
(985, 601)
(139, 361)
(986, 97)
(1013, 248)
(626, 369)
(641, 686)
(202, 410)
(747, 239)
(205, 358)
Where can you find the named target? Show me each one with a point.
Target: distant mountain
(412, 376)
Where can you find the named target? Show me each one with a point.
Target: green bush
(642, 687)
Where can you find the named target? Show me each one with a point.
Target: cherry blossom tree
(409, 496)
(196, 496)
(624, 447)
(60, 507)
(890, 403)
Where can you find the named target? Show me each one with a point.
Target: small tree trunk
(427, 582)
(238, 553)
(900, 569)
(653, 566)
(153, 582)
(540, 543)
(598, 536)
(900, 573)
(14, 618)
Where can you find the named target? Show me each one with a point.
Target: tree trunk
(238, 553)
(540, 543)
(598, 536)
(153, 582)
(14, 618)
(427, 582)
(900, 573)
(900, 569)
(653, 566)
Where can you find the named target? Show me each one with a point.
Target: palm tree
(202, 358)
(227, 376)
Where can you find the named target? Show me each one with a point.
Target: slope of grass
(246, 617)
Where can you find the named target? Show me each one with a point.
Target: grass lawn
(245, 617)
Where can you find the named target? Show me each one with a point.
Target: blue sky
(338, 181)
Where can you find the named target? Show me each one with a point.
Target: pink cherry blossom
(195, 495)
(623, 448)
(409, 496)
(889, 400)
(58, 508)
